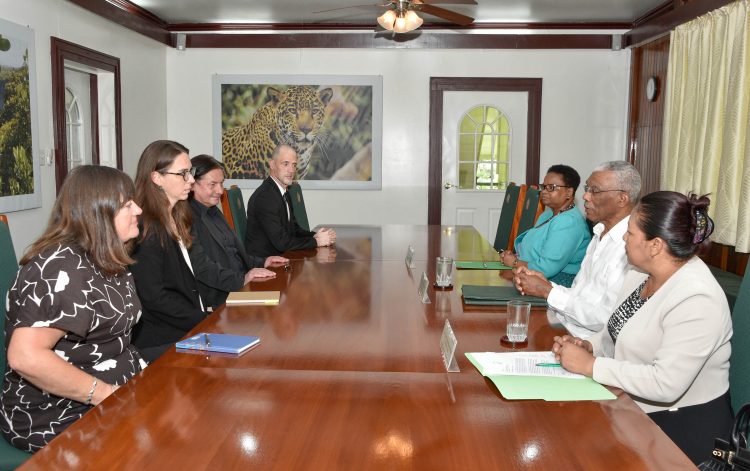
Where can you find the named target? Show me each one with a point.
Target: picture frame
(20, 174)
(333, 122)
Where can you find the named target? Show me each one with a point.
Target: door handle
(449, 185)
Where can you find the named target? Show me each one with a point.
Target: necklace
(569, 207)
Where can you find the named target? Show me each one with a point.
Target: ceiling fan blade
(437, 2)
(379, 5)
(451, 16)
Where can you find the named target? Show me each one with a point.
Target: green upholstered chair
(507, 214)
(530, 209)
(298, 206)
(10, 456)
(237, 210)
(729, 282)
(739, 364)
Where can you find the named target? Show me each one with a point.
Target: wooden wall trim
(328, 27)
(135, 18)
(646, 118)
(439, 85)
(60, 51)
(129, 15)
(94, 98)
(663, 24)
(403, 41)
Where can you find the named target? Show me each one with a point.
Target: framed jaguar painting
(334, 123)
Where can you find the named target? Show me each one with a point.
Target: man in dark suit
(217, 240)
(271, 228)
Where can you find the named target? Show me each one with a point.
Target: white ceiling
(303, 11)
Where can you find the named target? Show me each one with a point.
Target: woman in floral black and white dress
(71, 310)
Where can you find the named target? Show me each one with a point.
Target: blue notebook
(221, 343)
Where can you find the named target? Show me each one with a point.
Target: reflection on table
(348, 375)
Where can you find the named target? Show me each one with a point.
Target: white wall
(584, 110)
(143, 82)
(167, 93)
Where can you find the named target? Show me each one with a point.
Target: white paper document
(521, 364)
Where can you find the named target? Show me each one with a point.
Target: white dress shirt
(283, 191)
(585, 307)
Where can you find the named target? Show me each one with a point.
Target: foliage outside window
(483, 149)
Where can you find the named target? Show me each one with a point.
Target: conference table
(349, 375)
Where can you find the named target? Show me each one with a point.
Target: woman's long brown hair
(84, 216)
(158, 157)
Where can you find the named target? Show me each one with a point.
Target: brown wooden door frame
(63, 50)
(438, 85)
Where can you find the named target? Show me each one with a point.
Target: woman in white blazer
(667, 344)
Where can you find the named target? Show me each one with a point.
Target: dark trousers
(694, 428)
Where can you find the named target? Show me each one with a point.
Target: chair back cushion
(739, 364)
(530, 210)
(298, 206)
(8, 270)
(237, 208)
(226, 209)
(507, 213)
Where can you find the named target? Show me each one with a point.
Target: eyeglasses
(594, 190)
(550, 187)
(185, 174)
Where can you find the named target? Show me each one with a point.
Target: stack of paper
(466, 265)
(240, 298)
(496, 295)
(220, 343)
(518, 375)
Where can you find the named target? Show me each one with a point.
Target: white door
(473, 193)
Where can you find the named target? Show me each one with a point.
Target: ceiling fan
(401, 15)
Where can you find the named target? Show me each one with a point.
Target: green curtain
(705, 142)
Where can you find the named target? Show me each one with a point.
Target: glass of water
(443, 272)
(517, 327)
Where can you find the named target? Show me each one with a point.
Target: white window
(74, 130)
(483, 149)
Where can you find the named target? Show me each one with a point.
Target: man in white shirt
(611, 192)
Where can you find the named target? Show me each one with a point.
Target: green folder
(547, 388)
(496, 295)
(466, 265)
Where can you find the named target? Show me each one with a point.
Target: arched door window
(483, 149)
(74, 130)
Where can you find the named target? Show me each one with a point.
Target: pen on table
(206, 341)
(550, 365)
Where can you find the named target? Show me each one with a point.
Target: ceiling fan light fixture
(407, 21)
(413, 20)
(387, 20)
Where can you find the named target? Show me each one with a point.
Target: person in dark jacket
(271, 228)
(219, 242)
(164, 272)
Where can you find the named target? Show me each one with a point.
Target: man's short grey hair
(627, 177)
(279, 148)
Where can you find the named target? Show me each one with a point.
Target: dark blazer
(269, 230)
(211, 240)
(168, 292)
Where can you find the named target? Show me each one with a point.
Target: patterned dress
(61, 288)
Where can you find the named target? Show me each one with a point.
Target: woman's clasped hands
(574, 354)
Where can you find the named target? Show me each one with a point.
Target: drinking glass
(443, 271)
(517, 326)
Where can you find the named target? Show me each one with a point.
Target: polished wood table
(348, 375)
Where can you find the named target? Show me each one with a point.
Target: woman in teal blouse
(557, 243)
